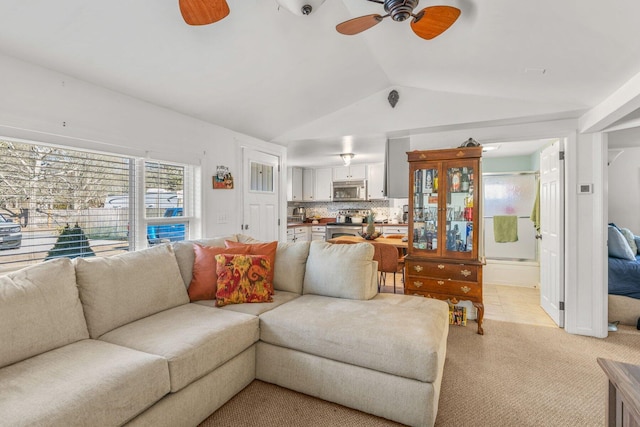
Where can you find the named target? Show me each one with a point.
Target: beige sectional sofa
(115, 341)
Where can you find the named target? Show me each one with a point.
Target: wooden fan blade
(358, 25)
(433, 21)
(203, 12)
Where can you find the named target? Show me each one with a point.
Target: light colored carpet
(514, 375)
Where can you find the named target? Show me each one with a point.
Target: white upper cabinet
(375, 181)
(323, 182)
(308, 185)
(294, 184)
(351, 172)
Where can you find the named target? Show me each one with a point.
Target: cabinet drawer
(394, 230)
(463, 289)
(290, 231)
(300, 230)
(454, 299)
(318, 228)
(443, 270)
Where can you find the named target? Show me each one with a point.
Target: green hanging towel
(505, 228)
(535, 213)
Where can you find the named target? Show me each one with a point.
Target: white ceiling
(294, 80)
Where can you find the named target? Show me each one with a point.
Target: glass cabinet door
(426, 209)
(460, 208)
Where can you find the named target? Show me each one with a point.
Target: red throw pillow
(242, 278)
(204, 278)
(266, 249)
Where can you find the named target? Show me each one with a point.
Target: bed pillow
(628, 234)
(636, 239)
(618, 245)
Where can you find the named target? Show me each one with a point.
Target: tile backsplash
(391, 209)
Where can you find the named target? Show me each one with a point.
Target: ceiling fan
(204, 12)
(429, 23)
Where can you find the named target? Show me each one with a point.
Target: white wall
(624, 188)
(41, 105)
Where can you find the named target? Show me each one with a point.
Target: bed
(624, 278)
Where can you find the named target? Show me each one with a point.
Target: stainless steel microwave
(349, 191)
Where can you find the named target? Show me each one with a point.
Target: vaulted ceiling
(294, 80)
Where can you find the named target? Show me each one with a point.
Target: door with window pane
(261, 189)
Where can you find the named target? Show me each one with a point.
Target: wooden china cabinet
(443, 259)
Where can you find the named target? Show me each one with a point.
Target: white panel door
(261, 178)
(552, 232)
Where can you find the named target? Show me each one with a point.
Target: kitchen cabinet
(318, 232)
(308, 185)
(375, 181)
(323, 181)
(294, 184)
(298, 234)
(351, 172)
(395, 229)
(443, 259)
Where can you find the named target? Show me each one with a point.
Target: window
(261, 177)
(58, 202)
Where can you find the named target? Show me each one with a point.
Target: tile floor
(507, 303)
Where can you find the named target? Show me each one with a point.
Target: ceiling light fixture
(346, 158)
(300, 7)
(492, 147)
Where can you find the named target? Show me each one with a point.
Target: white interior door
(261, 195)
(552, 232)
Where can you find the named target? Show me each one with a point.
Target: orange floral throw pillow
(242, 278)
(205, 278)
(266, 249)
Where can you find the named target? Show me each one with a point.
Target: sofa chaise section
(343, 342)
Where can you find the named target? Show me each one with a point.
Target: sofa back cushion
(342, 271)
(120, 289)
(39, 310)
(290, 266)
(185, 254)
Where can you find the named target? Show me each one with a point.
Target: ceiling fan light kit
(300, 7)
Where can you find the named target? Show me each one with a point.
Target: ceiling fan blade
(432, 21)
(358, 25)
(203, 12)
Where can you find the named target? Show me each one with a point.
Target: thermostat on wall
(585, 188)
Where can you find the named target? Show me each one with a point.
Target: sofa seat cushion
(123, 288)
(403, 336)
(193, 338)
(87, 383)
(39, 310)
(256, 309)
